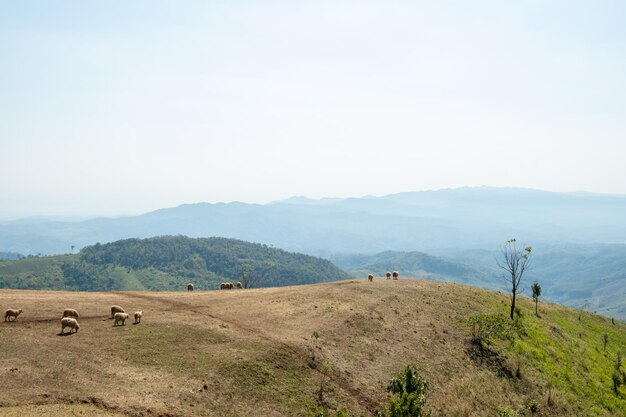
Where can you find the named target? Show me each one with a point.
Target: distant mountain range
(463, 218)
(452, 234)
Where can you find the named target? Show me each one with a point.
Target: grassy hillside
(166, 263)
(252, 352)
(589, 276)
(414, 264)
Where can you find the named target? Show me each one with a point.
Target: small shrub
(605, 340)
(533, 406)
(486, 328)
(617, 381)
(409, 392)
(507, 412)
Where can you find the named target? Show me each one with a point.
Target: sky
(113, 108)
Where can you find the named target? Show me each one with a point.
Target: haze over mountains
(426, 221)
(452, 234)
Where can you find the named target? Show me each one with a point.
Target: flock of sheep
(120, 316)
(223, 286)
(70, 316)
(395, 275)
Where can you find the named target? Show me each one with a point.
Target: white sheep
(239, 285)
(395, 274)
(12, 313)
(138, 315)
(120, 318)
(190, 287)
(70, 312)
(388, 275)
(69, 322)
(116, 309)
(370, 277)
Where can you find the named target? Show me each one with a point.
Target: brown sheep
(138, 315)
(239, 285)
(395, 274)
(71, 323)
(190, 287)
(116, 309)
(12, 313)
(370, 277)
(120, 318)
(70, 312)
(388, 275)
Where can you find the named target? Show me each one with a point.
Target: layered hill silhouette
(265, 352)
(420, 221)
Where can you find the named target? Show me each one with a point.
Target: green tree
(515, 262)
(536, 289)
(409, 392)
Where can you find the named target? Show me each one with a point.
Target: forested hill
(167, 263)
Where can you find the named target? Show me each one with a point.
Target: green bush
(486, 328)
(409, 392)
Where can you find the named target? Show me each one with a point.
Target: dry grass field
(252, 353)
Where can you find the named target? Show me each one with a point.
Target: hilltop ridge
(251, 352)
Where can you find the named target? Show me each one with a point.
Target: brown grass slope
(251, 352)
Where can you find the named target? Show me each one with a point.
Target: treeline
(168, 263)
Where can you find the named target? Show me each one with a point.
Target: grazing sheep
(388, 275)
(69, 322)
(12, 313)
(223, 286)
(190, 287)
(116, 309)
(230, 285)
(239, 285)
(70, 312)
(120, 318)
(395, 274)
(370, 277)
(138, 315)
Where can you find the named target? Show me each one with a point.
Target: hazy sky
(124, 107)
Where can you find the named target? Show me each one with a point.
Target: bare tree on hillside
(515, 262)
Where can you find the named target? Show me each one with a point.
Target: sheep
(239, 285)
(190, 287)
(70, 312)
(388, 275)
(138, 315)
(120, 318)
(395, 275)
(370, 277)
(230, 285)
(12, 313)
(116, 309)
(71, 323)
